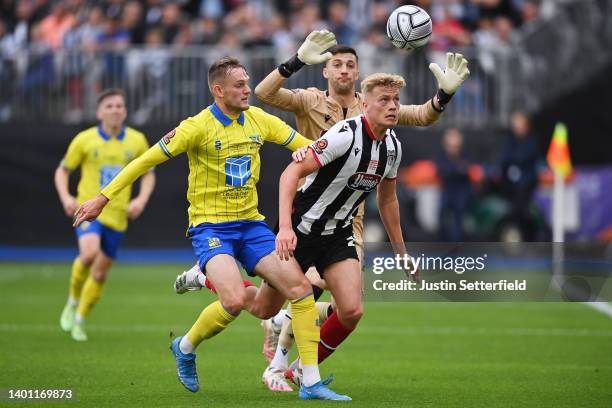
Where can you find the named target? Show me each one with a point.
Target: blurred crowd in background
(118, 24)
(65, 51)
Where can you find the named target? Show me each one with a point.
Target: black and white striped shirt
(352, 163)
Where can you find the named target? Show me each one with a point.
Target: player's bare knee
(87, 257)
(99, 276)
(263, 313)
(234, 303)
(299, 289)
(350, 316)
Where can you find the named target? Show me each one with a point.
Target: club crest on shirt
(214, 242)
(169, 136)
(363, 181)
(391, 156)
(320, 145)
(255, 138)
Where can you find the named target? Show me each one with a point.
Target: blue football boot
(185, 366)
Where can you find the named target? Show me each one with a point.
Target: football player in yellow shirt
(100, 152)
(222, 143)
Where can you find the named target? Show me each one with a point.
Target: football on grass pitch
(409, 27)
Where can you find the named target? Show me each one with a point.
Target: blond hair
(379, 79)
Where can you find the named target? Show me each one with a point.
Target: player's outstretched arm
(90, 210)
(270, 90)
(286, 239)
(128, 175)
(449, 81)
(451, 78)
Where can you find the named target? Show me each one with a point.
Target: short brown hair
(388, 80)
(343, 49)
(110, 92)
(221, 67)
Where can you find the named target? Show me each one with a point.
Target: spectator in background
(498, 8)
(280, 36)
(306, 20)
(212, 9)
(530, 11)
(40, 73)
(113, 42)
(56, 25)
(132, 19)
(149, 74)
(170, 21)
(453, 170)
(206, 31)
(7, 70)
(24, 12)
(336, 15)
(78, 67)
(154, 12)
(519, 170)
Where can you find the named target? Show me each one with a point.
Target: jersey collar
(223, 118)
(367, 127)
(107, 137)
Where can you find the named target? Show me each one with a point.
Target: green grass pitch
(401, 355)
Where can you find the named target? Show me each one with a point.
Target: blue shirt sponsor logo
(237, 171)
(107, 174)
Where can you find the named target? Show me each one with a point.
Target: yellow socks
(213, 319)
(92, 290)
(306, 329)
(78, 276)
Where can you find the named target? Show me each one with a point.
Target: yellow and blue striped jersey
(100, 158)
(224, 161)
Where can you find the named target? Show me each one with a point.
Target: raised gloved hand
(452, 77)
(310, 52)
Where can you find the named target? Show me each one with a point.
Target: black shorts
(321, 251)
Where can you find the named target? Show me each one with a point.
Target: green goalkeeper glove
(310, 52)
(452, 77)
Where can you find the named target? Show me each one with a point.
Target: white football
(409, 27)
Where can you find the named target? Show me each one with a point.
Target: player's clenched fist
(286, 240)
(89, 210)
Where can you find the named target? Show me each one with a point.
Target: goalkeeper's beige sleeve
(418, 115)
(270, 90)
(136, 168)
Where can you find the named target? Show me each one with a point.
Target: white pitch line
(602, 307)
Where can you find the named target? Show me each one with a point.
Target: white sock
(185, 346)
(280, 316)
(202, 279)
(72, 301)
(294, 366)
(310, 375)
(78, 319)
(281, 358)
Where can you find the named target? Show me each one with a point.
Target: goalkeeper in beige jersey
(315, 112)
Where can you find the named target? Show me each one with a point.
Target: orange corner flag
(558, 156)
